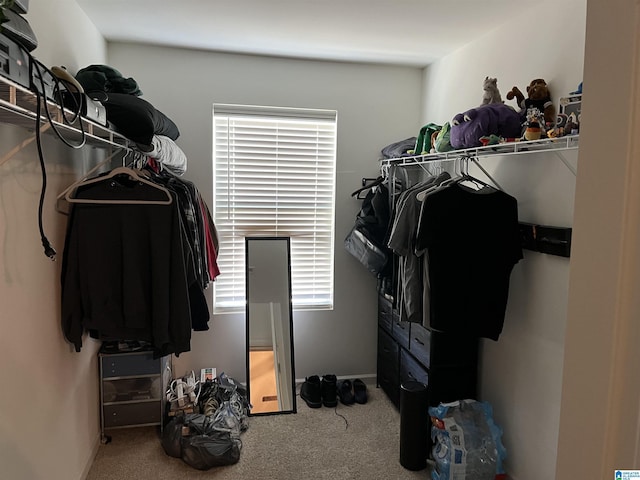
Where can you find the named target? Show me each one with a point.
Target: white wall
(49, 425)
(521, 373)
(376, 106)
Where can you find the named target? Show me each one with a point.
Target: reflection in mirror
(270, 369)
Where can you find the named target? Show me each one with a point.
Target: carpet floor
(348, 442)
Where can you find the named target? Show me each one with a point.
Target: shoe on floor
(345, 392)
(311, 392)
(359, 391)
(329, 391)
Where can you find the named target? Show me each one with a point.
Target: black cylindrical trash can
(414, 425)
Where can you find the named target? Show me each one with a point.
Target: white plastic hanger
(62, 194)
(133, 174)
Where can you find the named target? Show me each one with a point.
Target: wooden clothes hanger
(133, 174)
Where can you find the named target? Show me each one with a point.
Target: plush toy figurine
(533, 129)
(491, 93)
(493, 118)
(538, 96)
(491, 140)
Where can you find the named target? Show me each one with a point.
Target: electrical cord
(335, 410)
(49, 251)
(36, 69)
(346, 422)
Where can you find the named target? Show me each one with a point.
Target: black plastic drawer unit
(385, 313)
(388, 366)
(408, 352)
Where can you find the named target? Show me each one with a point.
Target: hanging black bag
(367, 240)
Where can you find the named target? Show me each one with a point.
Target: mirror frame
(290, 313)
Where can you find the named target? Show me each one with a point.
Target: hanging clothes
(196, 217)
(123, 272)
(411, 296)
(472, 241)
(139, 252)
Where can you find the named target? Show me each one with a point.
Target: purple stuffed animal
(491, 119)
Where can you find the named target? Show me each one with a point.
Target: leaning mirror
(270, 369)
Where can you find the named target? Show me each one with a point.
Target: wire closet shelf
(558, 144)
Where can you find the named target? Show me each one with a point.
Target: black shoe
(359, 391)
(310, 391)
(329, 391)
(345, 392)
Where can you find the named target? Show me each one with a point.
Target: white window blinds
(274, 175)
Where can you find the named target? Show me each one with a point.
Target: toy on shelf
(491, 119)
(491, 140)
(534, 125)
(568, 120)
(538, 96)
(491, 93)
(573, 124)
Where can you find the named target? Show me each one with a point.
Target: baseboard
(92, 457)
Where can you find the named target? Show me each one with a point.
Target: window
(274, 175)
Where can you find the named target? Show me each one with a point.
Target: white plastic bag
(467, 444)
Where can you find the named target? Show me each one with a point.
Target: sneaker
(310, 391)
(345, 392)
(359, 391)
(329, 391)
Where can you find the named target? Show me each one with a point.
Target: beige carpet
(313, 444)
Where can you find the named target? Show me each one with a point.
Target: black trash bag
(213, 450)
(172, 437)
(199, 424)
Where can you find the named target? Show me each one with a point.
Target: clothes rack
(555, 240)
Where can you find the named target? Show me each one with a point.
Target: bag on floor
(467, 444)
(172, 437)
(213, 450)
(199, 424)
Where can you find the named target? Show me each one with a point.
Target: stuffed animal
(442, 142)
(538, 96)
(494, 118)
(491, 140)
(533, 129)
(491, 93)
(434, 135)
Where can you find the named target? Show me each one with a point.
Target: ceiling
(400, 32)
